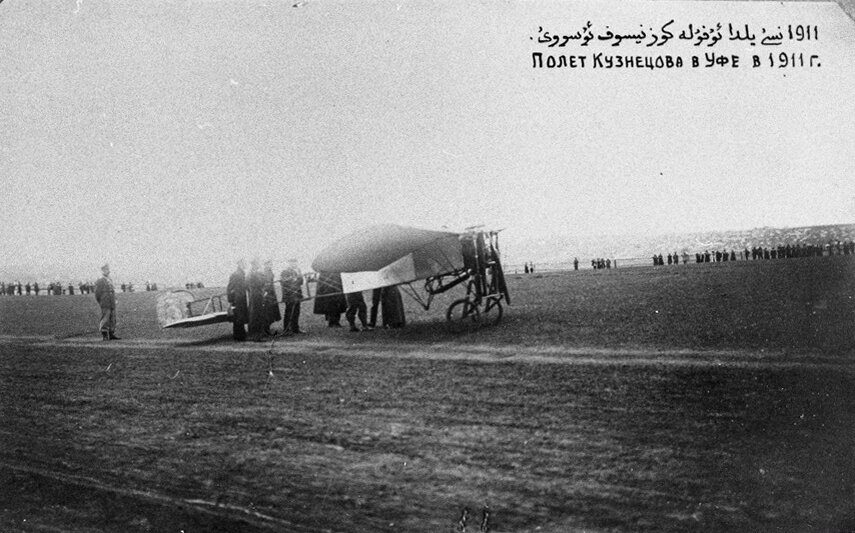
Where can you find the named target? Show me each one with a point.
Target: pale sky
(171, 138)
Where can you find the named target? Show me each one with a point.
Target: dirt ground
(700, 397)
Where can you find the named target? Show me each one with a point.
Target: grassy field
(713, 397)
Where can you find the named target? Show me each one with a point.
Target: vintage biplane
(389, 255)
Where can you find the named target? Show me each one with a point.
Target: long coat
(105, 295)
(392, 306)
(329, 298)
(236, 295)
(257, 319)
(271, 303)
(292, 285)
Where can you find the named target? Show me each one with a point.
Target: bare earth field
(714, 397)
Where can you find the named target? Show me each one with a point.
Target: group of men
(332, 302)
(254, 304)
(253, 300)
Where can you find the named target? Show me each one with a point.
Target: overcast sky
(171, 138)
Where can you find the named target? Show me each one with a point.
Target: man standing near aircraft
(255, 285)
(105, 295)
(291, 280)
(271, 303)
(329, 299)
(236, 295)
(356, 307)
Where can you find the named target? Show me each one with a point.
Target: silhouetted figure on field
(525, 269)
(271, 302)
(329, 298)
(291, 281)
(105, 295)
(236, 295)
(356, 307)
(388, 301)
(255, 288)
(576, 263)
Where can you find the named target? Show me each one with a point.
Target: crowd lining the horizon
(760, 253)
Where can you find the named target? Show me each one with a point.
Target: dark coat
(271, 303)
(292, 285)
(236, 295)
(105, 295)
(257, 319)
(392, 307)
(329, 298)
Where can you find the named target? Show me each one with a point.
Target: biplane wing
(388, 254)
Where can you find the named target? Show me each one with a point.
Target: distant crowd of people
(596, 264)
(57, 289)
(53, 288)
(760, 252)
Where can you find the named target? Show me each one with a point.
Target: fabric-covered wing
(388, 254)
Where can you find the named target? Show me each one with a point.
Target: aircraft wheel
(462, 315)
(492, 312)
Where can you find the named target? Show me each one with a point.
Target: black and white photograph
(427, 266)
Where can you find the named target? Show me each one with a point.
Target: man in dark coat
(255, 287)
(105, 295)
(271, 302)
(356, 306)
(376, 298)
(236, 295)
(392, 308)
(291, 280)
(388, 300)
(329, 298)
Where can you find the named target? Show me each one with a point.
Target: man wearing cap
(291, 280)
(105, 295)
